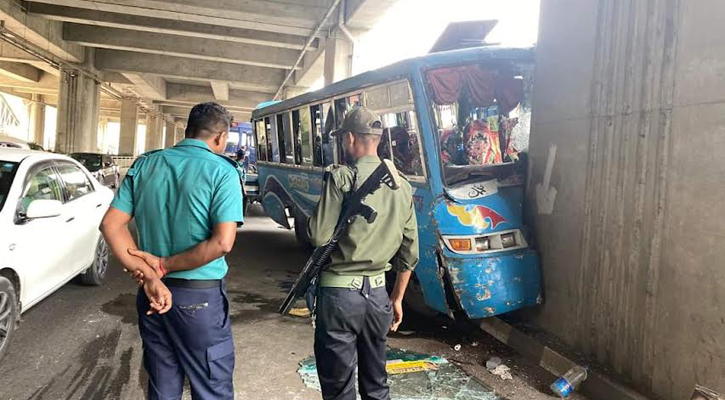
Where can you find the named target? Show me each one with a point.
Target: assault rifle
(352, 207)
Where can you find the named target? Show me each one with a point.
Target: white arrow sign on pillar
(545, 193)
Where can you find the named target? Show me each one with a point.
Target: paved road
(82, 342)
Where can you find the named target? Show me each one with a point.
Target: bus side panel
(428, 270)
(289, 188)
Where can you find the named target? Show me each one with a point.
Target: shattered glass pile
(444, 381)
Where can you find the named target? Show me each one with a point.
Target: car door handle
(70, 219)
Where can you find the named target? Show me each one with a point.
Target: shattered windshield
(482, 120)
(7, 173)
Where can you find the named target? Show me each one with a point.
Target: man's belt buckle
(356, 284)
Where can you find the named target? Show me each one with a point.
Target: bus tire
(413, 300)
(301, 232)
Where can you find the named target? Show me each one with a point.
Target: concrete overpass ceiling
(172, 54)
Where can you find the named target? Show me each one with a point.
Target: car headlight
(490, 243)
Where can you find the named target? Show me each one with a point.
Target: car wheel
(8, 313)
(95, 274)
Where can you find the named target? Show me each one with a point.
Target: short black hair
(206, 120)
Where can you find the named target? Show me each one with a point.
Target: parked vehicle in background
(50, 209)
(9, 141)
(455, 125)
(101, 166)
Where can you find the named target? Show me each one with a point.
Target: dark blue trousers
(194, 340)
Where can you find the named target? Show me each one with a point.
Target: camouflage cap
(361, 120)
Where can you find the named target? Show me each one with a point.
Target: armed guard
(354, 311)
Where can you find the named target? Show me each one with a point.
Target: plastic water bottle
(569, 382)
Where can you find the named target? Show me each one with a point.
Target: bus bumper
(496, 284)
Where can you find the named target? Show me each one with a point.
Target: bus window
(328, 142)
(285, 139)
(272, 144)
(301, 122)
(261, 140)
(317, 127)
(342, 107)
(401, 142)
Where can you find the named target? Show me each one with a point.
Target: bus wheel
(413, 300)
(301, 232)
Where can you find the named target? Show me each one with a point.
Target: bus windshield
(482, 125)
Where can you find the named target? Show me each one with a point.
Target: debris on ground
(406, 333)
(492, 363)
(457, 347)
(503, 372)
(415, 376)
(303, 312)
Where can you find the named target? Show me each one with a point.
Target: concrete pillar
(179, 133)
(338, 58)
(129, 126)
(160, 127)
(78, 103)
(170, 137)
(152, 131)
(103, 135)
(36, 126)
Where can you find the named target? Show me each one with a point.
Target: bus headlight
(491, 243)
(508, 240)
(483, 244)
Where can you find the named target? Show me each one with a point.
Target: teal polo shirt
(176, 196)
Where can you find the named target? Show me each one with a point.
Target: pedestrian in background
(354, 312)
(186, 201)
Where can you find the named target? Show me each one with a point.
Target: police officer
(187, 201)
(354, 312)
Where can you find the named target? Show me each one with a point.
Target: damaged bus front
(480, 116)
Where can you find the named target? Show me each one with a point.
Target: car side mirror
(44, 209)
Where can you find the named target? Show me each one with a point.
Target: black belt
(192, 283)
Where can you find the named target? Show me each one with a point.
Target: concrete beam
(313, 67)
(171, 45)
(248, 76)
(148, 87)
(183, 112)
(191, 94)
(114, 77)
(296, 19)
(364, 14)
(221, 90)
(45, 83)
(20, 71)
(173, 27)
(39, 31)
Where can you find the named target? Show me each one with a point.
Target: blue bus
(456, 125)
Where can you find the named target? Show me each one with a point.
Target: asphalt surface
(82, 342)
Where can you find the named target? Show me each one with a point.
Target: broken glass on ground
(415, 376)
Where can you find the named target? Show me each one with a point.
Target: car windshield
(7, 173)
(481, 118)
(91, 161)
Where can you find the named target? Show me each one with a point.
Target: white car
(50, 210)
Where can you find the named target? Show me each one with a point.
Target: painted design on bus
(480, 217)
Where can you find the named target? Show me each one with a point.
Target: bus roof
(399, 69)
